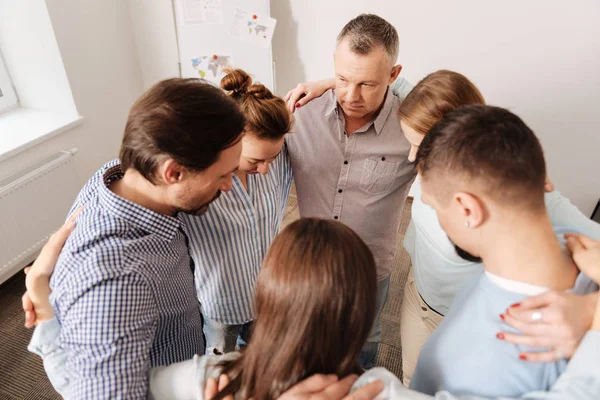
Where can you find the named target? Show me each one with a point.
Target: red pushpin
(215, 57)
(254, 16)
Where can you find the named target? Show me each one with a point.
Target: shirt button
(382, 158)
(340, 191)
(346, 162)
(335, 217)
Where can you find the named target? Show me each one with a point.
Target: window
(8, 98)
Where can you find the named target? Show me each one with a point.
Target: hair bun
(259, 91)
(236, 81)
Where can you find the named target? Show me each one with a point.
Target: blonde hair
(435, 95)
(266, 114)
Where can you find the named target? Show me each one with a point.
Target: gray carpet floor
(22, 374)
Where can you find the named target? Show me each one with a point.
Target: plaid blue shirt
(124, 295)
(229, 242)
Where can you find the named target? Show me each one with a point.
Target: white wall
(540, 58)
(155, 38)
(95, 39)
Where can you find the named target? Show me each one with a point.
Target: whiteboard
(196, 40)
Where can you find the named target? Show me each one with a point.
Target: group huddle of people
(171, 280)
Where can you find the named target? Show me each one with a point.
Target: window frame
(8, 99)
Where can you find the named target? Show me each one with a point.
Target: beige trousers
(417, 323)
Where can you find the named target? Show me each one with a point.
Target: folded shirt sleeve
(45, 343)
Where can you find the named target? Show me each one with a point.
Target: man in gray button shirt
(349, 155)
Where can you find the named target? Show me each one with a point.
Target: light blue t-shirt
(464, 357)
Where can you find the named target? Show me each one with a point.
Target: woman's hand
(555, 320)
(305, 92)
(212, 387)
(558, 320)
(328, 387)
(316, 387)
(36, 303)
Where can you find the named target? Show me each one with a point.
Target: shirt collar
(379, 121)
(332, 103)
(516, 286)
(384, 113)
(150, 221)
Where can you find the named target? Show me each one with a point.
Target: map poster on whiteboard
(211, 67)
(202, 12)
(253, 28)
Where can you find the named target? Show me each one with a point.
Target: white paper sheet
(210, 67)
(253, 28)
(202, 12)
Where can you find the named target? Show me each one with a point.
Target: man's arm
(108, 333)
(305, 92)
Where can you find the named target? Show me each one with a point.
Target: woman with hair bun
(229, 242)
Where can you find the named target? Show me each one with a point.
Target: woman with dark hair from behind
(315, 305)
(331, 246)
(317, 285)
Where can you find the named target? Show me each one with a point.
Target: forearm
(590, 311)
(596, 321)
(565, 214)
(328, 83)
(38, 290)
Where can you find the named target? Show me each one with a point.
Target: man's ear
(171, 172)
(471, 208)
(395, 72)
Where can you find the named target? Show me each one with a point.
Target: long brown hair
(435, 95)
(267, 116)
(315, 305)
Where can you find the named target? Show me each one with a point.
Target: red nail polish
(297, 105)
(515, 305)
(500, 336)
(502, 317)
(522, 357)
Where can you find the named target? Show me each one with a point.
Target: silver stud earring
(467, 224)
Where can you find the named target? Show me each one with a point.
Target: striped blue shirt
(123, 293)
(229, 242)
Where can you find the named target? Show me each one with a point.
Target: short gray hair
(368, 31)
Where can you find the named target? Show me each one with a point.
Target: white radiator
(33, 204)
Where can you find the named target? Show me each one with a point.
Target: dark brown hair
(489, 145)
(368, 31)
(315, 305)
(267, 116)
(187, 120)
(435, 95)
